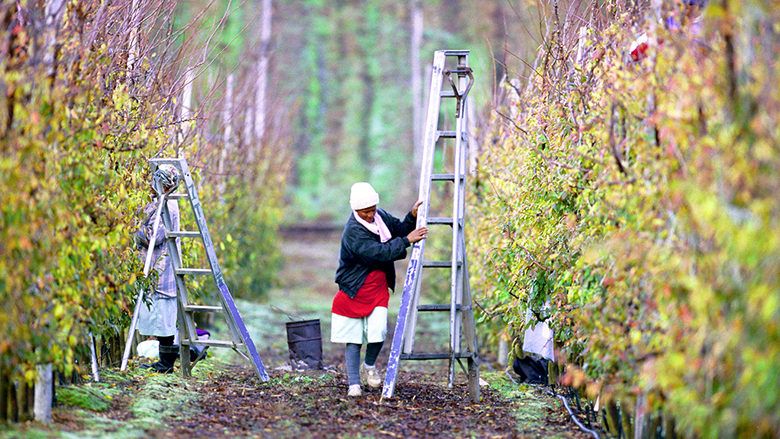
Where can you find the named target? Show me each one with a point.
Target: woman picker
(372, 240)
(157, 317)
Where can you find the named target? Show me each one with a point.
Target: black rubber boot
(168, 356)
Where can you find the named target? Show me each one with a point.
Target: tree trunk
(186, 109)
(135, 25)
(499, 38)
(227, 120)
(416, 73)
(262, 72)
(53, 14)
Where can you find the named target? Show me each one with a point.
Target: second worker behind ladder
(159, 317)
(370, 244)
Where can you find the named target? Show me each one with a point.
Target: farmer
(158, 318)
(372, 240)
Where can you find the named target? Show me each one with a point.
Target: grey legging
(352, 354)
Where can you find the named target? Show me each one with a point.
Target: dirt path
(225, 399)
(313, 404)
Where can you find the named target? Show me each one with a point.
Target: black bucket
(305, 342)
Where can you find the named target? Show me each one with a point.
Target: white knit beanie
(362, 196)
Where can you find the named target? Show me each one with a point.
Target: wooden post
(503, 353)
(613, 418)
(13, 413)
(22, 410)
(625, 414)
(93, 358)
(4, 391)
(44, 393)
(669, 427)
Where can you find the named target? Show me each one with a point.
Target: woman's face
(367, 214)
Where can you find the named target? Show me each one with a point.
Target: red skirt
(373, 293)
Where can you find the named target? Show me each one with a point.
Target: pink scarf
(378, 227)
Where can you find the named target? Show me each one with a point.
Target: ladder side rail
(411, 318)
(458, 202)
(187, 328)
(466, 306)
(184, 345)
(429, 142)
(463, 139)
(422, 220)
(411, 283)
(456, 300)
(429, 147)
(131, 331)
(456, 265)
(208, 245)
(467, 316)
(415, 266)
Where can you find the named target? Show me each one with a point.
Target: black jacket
(362, 252)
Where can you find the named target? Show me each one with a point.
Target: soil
(316, 408)
(225, 398)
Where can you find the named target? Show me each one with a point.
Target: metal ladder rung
(179, 196)
(445, 221)
(439, 264)
(203, 308)
(455, 52)
(435, 356)
(437, 307)
(443, 177)
(194, 271)
(445, 134)
(215, 343)
(184, 234)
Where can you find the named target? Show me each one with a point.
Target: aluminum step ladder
(240, 339)
(462, 325)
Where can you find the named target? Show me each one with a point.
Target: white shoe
(372, 375)
(355, 390)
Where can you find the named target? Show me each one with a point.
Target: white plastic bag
(539, 339)
(149, 349)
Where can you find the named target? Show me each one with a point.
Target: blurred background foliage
(345, 67)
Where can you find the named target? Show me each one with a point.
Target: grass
(93, 396)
